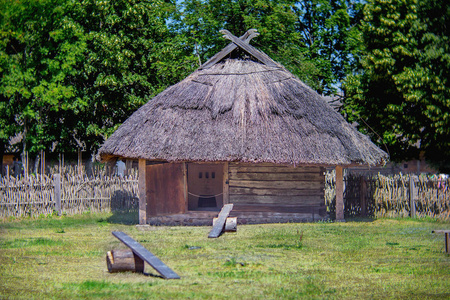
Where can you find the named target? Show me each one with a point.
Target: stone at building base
(205, 218)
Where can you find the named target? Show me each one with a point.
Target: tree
(72, 71)
(34, 63)
(314, 39)
(130, 56)
(329, 30)
(400, 97)
(200, 21)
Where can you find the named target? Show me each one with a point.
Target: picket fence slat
(35, 195)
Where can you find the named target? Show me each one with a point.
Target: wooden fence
(67, 194)
(392, 196)
(376, 196)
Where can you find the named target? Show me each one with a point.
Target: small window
(206, 174)
(213, 175)
(200, 175)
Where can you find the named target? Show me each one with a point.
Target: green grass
(64, 257)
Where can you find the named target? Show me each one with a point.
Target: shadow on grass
(132, 218)
(153, 275)
(124, 217)
(125, 208)
(360, 219)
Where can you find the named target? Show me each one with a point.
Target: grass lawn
(64, 257)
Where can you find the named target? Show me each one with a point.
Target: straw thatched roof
(241, 107)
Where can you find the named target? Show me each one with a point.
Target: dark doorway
(205, 186)
(206, 201)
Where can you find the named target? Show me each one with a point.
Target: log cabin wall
(275, 188)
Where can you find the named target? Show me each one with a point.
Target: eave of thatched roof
(241, 110)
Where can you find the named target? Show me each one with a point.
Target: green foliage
(34, 62)
(130, 56)
(313, 39)
(329, 30)
(72, 71)
(402, 89)
(200, 22)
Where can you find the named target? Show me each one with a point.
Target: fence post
(362, 196)
(142, 192)
(339, 194)
(412, 204)
(57, 184)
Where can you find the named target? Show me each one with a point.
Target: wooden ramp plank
(220, 223)
(146, 255)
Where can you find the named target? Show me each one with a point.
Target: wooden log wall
(274, 188)
(34, 195)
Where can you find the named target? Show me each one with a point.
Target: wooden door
(165, 189)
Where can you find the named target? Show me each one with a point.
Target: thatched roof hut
(241, 110)
(241, 106)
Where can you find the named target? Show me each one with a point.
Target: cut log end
(230, 224)
(124, 261)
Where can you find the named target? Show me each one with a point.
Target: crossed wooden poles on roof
(242, 42)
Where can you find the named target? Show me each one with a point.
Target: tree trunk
(124, 261)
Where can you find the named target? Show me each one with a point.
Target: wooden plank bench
(146, 255)
(446, 238)
(218, 227)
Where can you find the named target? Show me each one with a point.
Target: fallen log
(124, 261)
